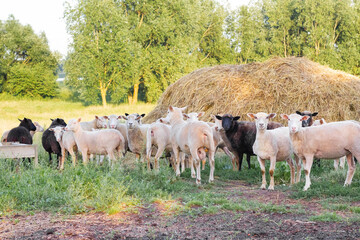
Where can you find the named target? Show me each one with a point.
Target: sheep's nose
(293, 129)
(112, 126)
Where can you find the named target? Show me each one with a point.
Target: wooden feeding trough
(19, 150)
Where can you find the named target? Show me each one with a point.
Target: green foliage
(327, 217)
(27, 66)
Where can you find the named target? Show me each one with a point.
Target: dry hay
(280, 85)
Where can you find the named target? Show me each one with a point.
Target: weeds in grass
(327, 217)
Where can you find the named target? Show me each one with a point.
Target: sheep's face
(309, 121)
(133, 120)
(28, 124)
(218, 123)
(261, 119)
(113, 121)
(228, 121)
(73, 125)
(101, 122)
(58, 132)
(294, 121)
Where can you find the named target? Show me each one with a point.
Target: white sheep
(336, 161)
(114, 123)
(273, 145)
(192, 138)
(157, 135)
(107, 141)
(328, 141)
(136, 134)
(67, 142)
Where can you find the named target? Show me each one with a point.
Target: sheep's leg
(271, 172)
(292, 170)
(262, 166)
(231, 156)
(248, 156)
(182, 159)
(192, 166)
(177, 159)
(85, 156)
(212, 165)
(240, 160)
(298, 168)
(158, 154)
(351, 169)
(73, 155)
(336, 163)
(62, 159)
(342, 162)
(307, 168)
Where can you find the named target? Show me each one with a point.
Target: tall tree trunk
(103, 95)
(136, 92)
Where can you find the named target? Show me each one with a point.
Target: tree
(25, 56)
(101, 50)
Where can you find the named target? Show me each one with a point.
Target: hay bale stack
(280, 85)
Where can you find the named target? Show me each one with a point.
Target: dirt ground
(153, 222)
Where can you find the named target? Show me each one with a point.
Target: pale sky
(47, 16)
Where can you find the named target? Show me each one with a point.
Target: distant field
(42, 110)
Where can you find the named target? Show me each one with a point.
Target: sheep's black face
(227, 122)
(28, 124)
(58, 122)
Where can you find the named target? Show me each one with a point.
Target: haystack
(279, 85)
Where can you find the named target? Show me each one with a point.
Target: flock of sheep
(181, 135)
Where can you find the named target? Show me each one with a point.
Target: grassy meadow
(128, 185)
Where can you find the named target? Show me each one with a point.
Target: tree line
(125, 50)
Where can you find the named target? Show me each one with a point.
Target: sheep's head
(28, 124)
(58, 132)
(101, 122)
(228, 121)
(309, 121)
(57, 122)
(73, 125)
(193, 116)
(261, 119)
(294, 121)
(113, 121)
(133, 120)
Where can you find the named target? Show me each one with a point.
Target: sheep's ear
(96, 117)
(216, 128)
(236, 118)
(106, 117)
(201, 114)
(142, 115)
(314, 114)
(51, 119)
(186, 116)
(126, 114)
(251, 115)
(322, 121)
(79, 120)
(138, 118)
(120, 117)
(271, 115)
(123, 117)
(19, 119)
(183, 109)
(300, 113)
(284, 116)
(218, 117)
(171, 108)
(304, 118)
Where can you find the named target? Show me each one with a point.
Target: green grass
(327, 217)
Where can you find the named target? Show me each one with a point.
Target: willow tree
(101, 49)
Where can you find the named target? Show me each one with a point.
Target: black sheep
(242, 135)
(49, 141)
(21, 133)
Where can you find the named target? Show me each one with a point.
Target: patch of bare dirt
(155, 221)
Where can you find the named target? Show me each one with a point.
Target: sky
(47, 16)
